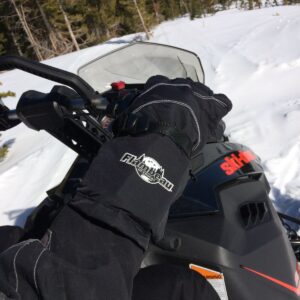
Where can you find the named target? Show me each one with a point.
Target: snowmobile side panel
(226, 243)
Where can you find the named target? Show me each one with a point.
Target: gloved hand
(187, 112)
(135, 178)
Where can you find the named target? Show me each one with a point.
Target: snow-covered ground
(252, 56)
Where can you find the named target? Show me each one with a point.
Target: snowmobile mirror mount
(90, 96)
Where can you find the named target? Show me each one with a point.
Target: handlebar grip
(48, 72)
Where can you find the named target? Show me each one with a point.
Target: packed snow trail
(252, 56)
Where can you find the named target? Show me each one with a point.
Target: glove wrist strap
(135, 125)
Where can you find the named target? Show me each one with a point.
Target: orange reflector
(207, 273)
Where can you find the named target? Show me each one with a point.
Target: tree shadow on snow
(287, 205)
(136, 38)
(120, 41)
(9, 142)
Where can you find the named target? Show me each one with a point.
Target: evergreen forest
(42, 29)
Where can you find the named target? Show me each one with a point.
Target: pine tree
(196, 9)
(100, 19)
(52, 36)
(184, 6)
(68, 24)
(19, 9)
(6, 94)
(130, 20)
(4, 148)
(10, 41)
(46, 28)
(3, 42)
(170, 8)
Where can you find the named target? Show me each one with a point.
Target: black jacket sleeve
(95, 246)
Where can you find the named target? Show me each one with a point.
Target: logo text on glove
(148, 169)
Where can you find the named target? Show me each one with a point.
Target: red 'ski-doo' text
(235, 162)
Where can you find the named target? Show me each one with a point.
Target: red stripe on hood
(291, 288)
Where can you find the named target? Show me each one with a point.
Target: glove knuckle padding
(173, 104)
(186, 105)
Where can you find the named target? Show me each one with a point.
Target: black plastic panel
(200, 195)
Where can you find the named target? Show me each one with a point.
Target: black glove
(187, 112)
(136, 177)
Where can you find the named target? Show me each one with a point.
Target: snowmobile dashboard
(79, 113)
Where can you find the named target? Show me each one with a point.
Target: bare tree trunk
(27, 30)
(50, 30)
(142, 20)
(250, 4)
(68, 25)
(108, 34)
(156, 10)
(14, 38)
(172, 9)
(183, 3)
(65, 42)
(36, 44)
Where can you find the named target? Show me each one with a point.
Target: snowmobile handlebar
(12, 115)
(90, 96)
(72, 113)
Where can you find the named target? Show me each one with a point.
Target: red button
(117, 86)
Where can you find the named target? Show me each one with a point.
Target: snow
(252, 56)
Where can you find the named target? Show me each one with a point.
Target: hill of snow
(252, 56)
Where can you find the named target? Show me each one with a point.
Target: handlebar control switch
(118, 86)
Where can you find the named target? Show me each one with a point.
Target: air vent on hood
(254, 213)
